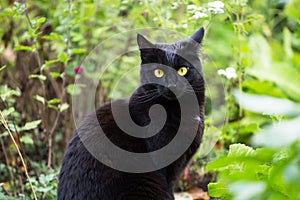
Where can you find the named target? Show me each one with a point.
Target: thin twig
(63, 93)
(19, 152)
(27, 15)
(7, 164)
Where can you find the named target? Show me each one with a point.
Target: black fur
(83, 177)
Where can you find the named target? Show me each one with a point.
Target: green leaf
(40, 99)
(26, 139)
(31, 125)
(3, 67)
(38, 76)
(219, 190)
(8, 111)
(266, 104)
(278, 71)
(291, 173)
(288, 43)
(63, 107)
(6, 92)
(63, 57)
(53, 101)
(78, 51)
(282, 134)
(24, 48)
(37, 23)
(243, 190)
(292, 9)
(240, 150)
(53, 36)
(50, 62)
(4, 197)
(53, 107)
(55, 74)
(9, 12)
(73, 89)
(211, 135)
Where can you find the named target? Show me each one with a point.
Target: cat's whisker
(193, 91)
(148, 98)
(146, 95)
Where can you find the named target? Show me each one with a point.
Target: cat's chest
(175, 121)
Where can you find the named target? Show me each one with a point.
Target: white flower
(216, 11)
(198, 15)
(221, 72)
(174, 5)
(191, 7)
(184, 25)
(229, 72)
(216, 4)
(216, 7)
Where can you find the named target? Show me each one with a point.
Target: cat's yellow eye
(182, 71)
(158, 73)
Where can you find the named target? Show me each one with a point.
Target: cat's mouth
(169, 95)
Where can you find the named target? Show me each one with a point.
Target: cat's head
(172, 66)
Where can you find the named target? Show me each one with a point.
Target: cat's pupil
(158, 73)
(182, 71)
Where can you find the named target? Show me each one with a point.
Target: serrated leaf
(218, 190)
(40, 99)
(31, 125)
(240, 150)
(38, 76)
(63, 107)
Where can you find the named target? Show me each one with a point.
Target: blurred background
(251, 61)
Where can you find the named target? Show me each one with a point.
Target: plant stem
(19, 152)
(63, 93)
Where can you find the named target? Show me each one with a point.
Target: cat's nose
(172, 86)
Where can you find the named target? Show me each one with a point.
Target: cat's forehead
(173, 47)
(183, 48)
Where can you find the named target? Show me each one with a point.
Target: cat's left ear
(143, 42)
(198, 35)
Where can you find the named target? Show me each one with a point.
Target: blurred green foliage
(253, 45)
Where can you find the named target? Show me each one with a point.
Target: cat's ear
(143, 42)
(198, 35)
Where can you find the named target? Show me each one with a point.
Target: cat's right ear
(198, 35)
(143, 42)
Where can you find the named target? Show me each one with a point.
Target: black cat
(171, 77)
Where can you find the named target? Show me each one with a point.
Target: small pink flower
(186, 175)
(78, 70)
